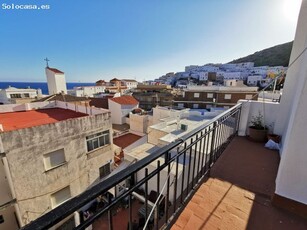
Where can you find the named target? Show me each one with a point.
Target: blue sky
(139, 39)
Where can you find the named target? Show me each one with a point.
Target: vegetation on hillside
(275, 56)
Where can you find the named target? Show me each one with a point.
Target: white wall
(56, 82)
(252, 108)
(291, 179)
(118, 111)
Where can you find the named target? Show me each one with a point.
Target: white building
(50, 152)
(254, 80)
(13, 95)
(120, 107)
(56, 81)
(204, 68)
(87, 91)
(130, 83)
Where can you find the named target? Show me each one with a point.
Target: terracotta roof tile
(125, 100)
(126, 140)
(25, 119)
(55, 70)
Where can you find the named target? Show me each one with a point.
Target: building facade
(49, 155)
(206, 97)
(120, 107)
(13, 95)
(149, 96)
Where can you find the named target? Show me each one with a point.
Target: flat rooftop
(126, 140)
(25, 119)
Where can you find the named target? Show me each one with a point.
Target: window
(209, 95)
(26, 95)
(208, 106)
(196, 94)
(61, 196)
(15, 95)
(248, 97)
(180, 105)
(195, 106)
(104, 170)
(54, 159)
(227, 96)
(97, 140)
(226, 107)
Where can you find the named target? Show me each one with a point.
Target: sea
(40, 85)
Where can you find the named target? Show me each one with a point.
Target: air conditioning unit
(184, 127)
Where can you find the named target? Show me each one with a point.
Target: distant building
(150, 96)
(130, 83)
(12, 95)
(206, 97)
(254, 80)
(87, 91)
(120, 107)
(56, 81)
(117, 86)
(66, 98)
(50, 152)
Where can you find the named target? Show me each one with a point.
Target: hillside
(275, 56)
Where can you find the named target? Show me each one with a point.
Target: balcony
(209, 178)
(238, 193)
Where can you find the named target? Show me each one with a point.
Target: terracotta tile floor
(237, 194)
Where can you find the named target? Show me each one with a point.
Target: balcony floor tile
(238, 193)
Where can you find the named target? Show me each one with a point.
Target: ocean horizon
(41, 85)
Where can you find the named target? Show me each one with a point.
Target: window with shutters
(209, 95)
(227, 96)
(104, 170)
(60, 197)
(54, 159)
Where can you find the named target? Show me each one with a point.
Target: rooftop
(55, 70)
(238, 193)
(125, 100)
(62, 97)
(126, 140)
(25, 119)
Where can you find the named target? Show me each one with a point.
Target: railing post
(110, 213)
(211, 155)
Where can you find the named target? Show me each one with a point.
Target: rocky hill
(275, 56)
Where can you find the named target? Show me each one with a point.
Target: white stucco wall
(119, 112)
(139, 123)
(252, 108)
(291, 179)
(56, 82)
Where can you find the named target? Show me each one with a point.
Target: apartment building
(150, 96)
(206, 97)
(50, 152)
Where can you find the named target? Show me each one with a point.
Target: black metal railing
(173, 171)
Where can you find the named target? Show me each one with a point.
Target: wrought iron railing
(173, 171)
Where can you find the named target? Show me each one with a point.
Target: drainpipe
(10, 182)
